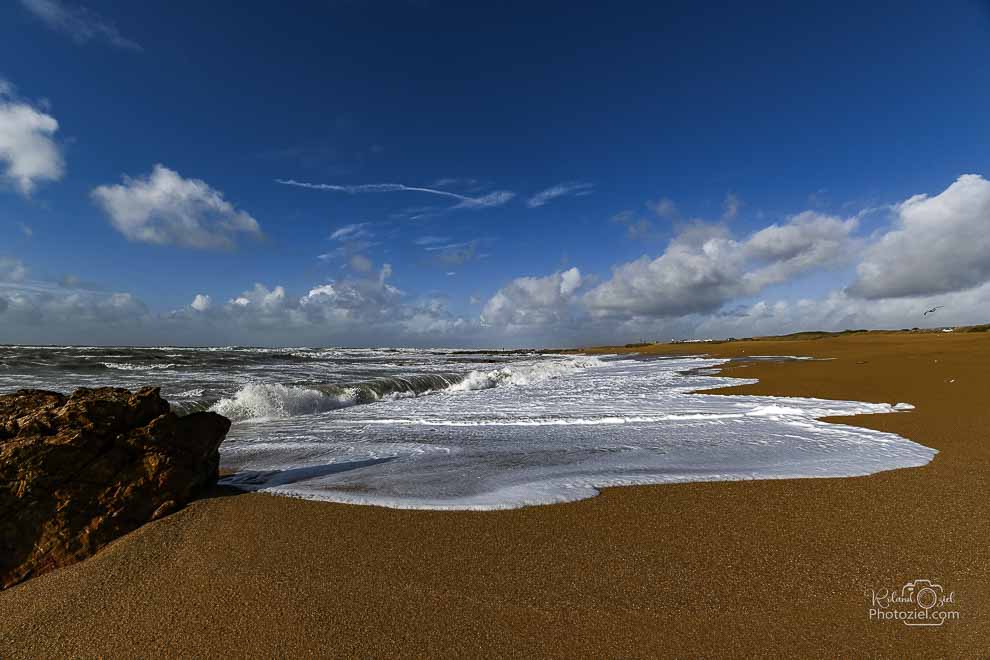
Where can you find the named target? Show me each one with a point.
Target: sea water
(445, 429)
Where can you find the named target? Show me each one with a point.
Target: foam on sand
(552, 431)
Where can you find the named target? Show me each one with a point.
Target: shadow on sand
(251, 480)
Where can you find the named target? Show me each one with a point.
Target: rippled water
(452, 429)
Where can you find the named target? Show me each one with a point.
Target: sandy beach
(742, 568)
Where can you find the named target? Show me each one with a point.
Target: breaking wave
(125, 366)
(259, 401)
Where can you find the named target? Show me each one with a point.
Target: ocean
(450, 429)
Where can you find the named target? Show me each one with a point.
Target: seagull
(933, 310)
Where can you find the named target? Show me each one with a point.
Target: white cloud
(453, 254)
(431, 240)
(492, 199)
(359, 310)
(704, 267)
(840, 311)
(351, 232)
(938, 245)
(559, 190)
(201, 302)
(353, 300)
(731, 206)
(361, 264)
(28, 152)
(534, 301)
(12, 270)
(260, 297)
(687, 291)
(637, 227)
(664, 208)
(166, 209)
(384, 274)
(39, 312)
(496, 198)
(356, 311)
(353, 239)
(79, 23)
(805, 242)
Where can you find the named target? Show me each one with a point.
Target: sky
(450, 174)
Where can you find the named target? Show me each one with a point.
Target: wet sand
(740, 568)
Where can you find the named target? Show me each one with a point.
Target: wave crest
(126, 366)
(274, 400)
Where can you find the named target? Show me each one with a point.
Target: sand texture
(746, 568)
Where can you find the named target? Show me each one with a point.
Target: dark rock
(77, 472)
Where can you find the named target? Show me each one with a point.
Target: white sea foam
(564, 428)
(524, 374)
(264, 401)
(260, 401)
(188, 394)
(125, 366)
(477, 431)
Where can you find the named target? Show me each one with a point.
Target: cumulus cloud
(938, 244)
(164, 208)
(807, 241)
(692, 289)
(354, 311)
(78, 23)
(201, 302)
(12, 270)
(704, 267)
(534, 301)
(358, 310)
(496, 198)
(28, 152)
(560, 190)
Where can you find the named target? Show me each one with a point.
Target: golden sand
(743, 568)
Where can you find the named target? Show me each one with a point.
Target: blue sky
(673, 132)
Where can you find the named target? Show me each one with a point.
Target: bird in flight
(933, 310)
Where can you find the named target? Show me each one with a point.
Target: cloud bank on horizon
(690, 289)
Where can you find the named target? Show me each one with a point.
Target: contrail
(496, 198)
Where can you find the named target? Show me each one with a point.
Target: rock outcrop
(77, 472)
